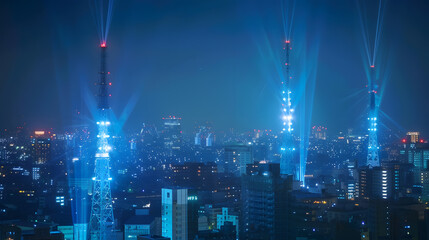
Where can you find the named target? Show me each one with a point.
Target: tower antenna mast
(287, 146)
(101, 221)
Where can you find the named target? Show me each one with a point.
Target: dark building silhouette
(194, 175)
(226, 232)
(152, 237)
(264, 202)
(10, 232)
(43, 233)
(390, 181)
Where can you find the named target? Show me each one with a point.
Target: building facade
(174, 213)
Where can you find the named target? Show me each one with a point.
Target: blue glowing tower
(287, 165)
(373, 147)
(101, 221)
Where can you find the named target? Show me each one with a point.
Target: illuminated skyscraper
(413, 137)
(172, 133)
(41, 144)
(204, 135)
(319, 132)
(209, 140)
(416, 154)
(101, 221)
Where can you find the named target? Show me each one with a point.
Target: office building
(172, 133)
(390, 181)
(319, 132)
(237, 156)
(413, 137)
(41, 145)
(204, 135)
(174, 213)
(416, 153)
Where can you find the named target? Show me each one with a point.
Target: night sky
(211, 61)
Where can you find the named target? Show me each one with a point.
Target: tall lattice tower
(287, 166)
(101, 221)
(373, 147)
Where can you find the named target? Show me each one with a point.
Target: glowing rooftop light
(287, 41)
(372, 66)
(103, 44)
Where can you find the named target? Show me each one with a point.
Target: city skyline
(208, 120)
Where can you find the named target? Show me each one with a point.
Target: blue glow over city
(216, 119)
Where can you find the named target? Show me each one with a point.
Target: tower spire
(287, 147)
(101, 221)
(373, 147)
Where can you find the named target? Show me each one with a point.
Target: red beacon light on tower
(287, 41)
(103, 44)
(372, 66)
